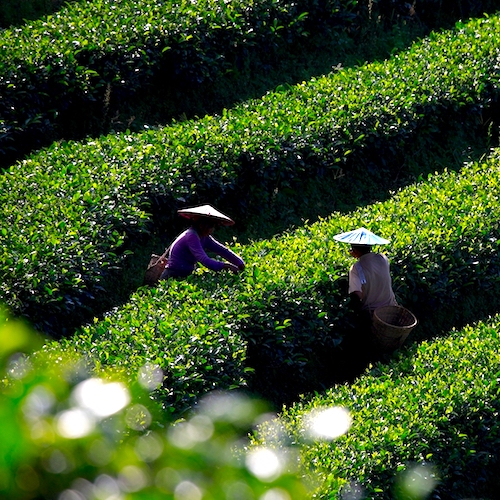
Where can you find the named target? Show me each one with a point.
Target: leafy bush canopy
(98, 195)
(91, 58)
(91, 426)
(413, 417)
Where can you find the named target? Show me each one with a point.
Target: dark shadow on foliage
(265, 202)
(18, 12)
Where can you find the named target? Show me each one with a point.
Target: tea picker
(192, 246)
(371, 293)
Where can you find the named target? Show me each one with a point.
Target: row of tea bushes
(64, 228)
(73, 71)
(281, 326)
(424, 425)
(66, 211)
(68, 435)
(80, 65)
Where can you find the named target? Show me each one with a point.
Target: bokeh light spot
(138, 417)
(107, 488)
(167, 479)
(75, 423)
(148, 447)
(276, 494)
(101, 398)
(417, 482)
(186, 490)
(38, 403)
(229, 407)
(133, 478)
(71, 495)
(239, 490)
(150, 376)
(328, 423)
(264, 464)
(185, 435)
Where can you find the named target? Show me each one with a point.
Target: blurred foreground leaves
(68, 435)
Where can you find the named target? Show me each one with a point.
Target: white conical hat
(360, 236)
(206, 211)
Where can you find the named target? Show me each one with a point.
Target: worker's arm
(355, 289)
(356, 303)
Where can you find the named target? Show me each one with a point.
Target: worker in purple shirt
(191, 246)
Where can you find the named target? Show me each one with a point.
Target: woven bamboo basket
(391, 325)
(155, 269)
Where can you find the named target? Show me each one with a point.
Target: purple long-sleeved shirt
(188, 249)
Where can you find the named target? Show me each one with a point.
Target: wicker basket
(155, 269)
(391, 325)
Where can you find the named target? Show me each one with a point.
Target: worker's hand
(234, 269)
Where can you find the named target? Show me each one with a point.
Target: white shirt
(377, 291)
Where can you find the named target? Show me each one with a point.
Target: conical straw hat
(195, 213)
(360, 236)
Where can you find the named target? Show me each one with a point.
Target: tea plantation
(250, 385)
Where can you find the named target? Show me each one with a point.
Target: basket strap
(166, 252)
(361, 273)
(161, 257)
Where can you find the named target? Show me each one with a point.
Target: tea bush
(424, 425)
(68, 73)
(282, 327)
(66, 434)
(91, 75)
(88, 200)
